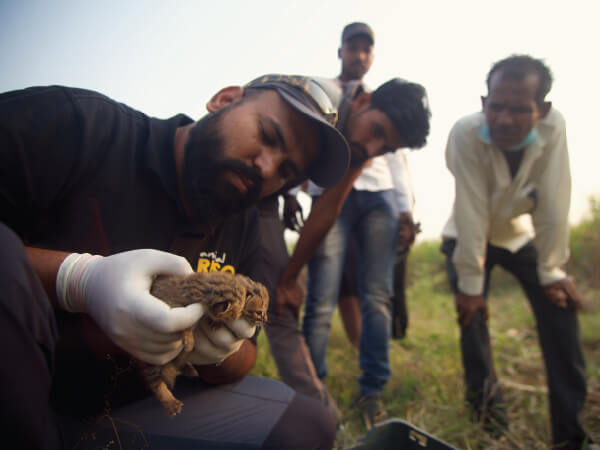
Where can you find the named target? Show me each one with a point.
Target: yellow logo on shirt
(212, 262)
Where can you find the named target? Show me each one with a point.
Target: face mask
(531, 137)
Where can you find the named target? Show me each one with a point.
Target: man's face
(370, 133)
(357, 56)
(510, 109)
(244, 152)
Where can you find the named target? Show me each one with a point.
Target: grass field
(426, 387)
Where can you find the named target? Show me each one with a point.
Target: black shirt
(80, 172)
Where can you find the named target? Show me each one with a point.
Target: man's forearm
(319, 221)
(46, 264)
(323, 214)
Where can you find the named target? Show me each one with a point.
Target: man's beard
(208, 195)
(356, 70)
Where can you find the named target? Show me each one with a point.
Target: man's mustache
(505, 130)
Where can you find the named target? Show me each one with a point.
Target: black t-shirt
(80, 172)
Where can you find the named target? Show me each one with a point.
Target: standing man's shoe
(371, 409)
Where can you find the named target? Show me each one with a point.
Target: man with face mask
(512, 192)
(104, 198)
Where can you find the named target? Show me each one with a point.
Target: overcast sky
(170, 57)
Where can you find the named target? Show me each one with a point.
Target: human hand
(467, 306)
(292, 213)
(407, 230)
(288, 293)
(115, 291)
(562, 292)
(213, 344)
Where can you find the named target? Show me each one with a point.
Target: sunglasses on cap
(309, 87)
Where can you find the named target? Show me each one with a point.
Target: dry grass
(426, 387)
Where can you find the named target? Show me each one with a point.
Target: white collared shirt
(386, 172)
(491, 206)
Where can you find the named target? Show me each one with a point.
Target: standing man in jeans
(512, 193)
(370, 217)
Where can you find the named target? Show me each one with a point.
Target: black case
(397, 434)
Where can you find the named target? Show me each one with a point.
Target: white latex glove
(213, 345)
(115, 291)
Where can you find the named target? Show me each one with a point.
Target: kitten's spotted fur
(225, 296)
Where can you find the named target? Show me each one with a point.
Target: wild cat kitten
(225, 297)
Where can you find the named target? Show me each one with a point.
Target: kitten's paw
(173, 407)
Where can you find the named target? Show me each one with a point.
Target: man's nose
(504, 117)
(267, 162)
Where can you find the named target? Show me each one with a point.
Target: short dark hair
(407, 106)
(517, 67)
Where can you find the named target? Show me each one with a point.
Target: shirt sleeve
(38, 145)
(401, 178)
(551, 214)
(471, 209)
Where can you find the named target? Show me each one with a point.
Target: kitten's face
(257, 303)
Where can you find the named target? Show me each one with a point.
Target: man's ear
(225, 97)
(340, 53)
(360, 102)
(545, 109)
(483, 99)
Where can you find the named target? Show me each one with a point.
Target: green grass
(426, 387)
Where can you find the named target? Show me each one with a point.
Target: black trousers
(28, 339)
(558, 332)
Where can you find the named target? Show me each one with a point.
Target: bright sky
(165, 58)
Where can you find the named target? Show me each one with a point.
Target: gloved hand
(212, 345)
(115, 292)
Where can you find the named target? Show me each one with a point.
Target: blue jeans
(373, 218)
